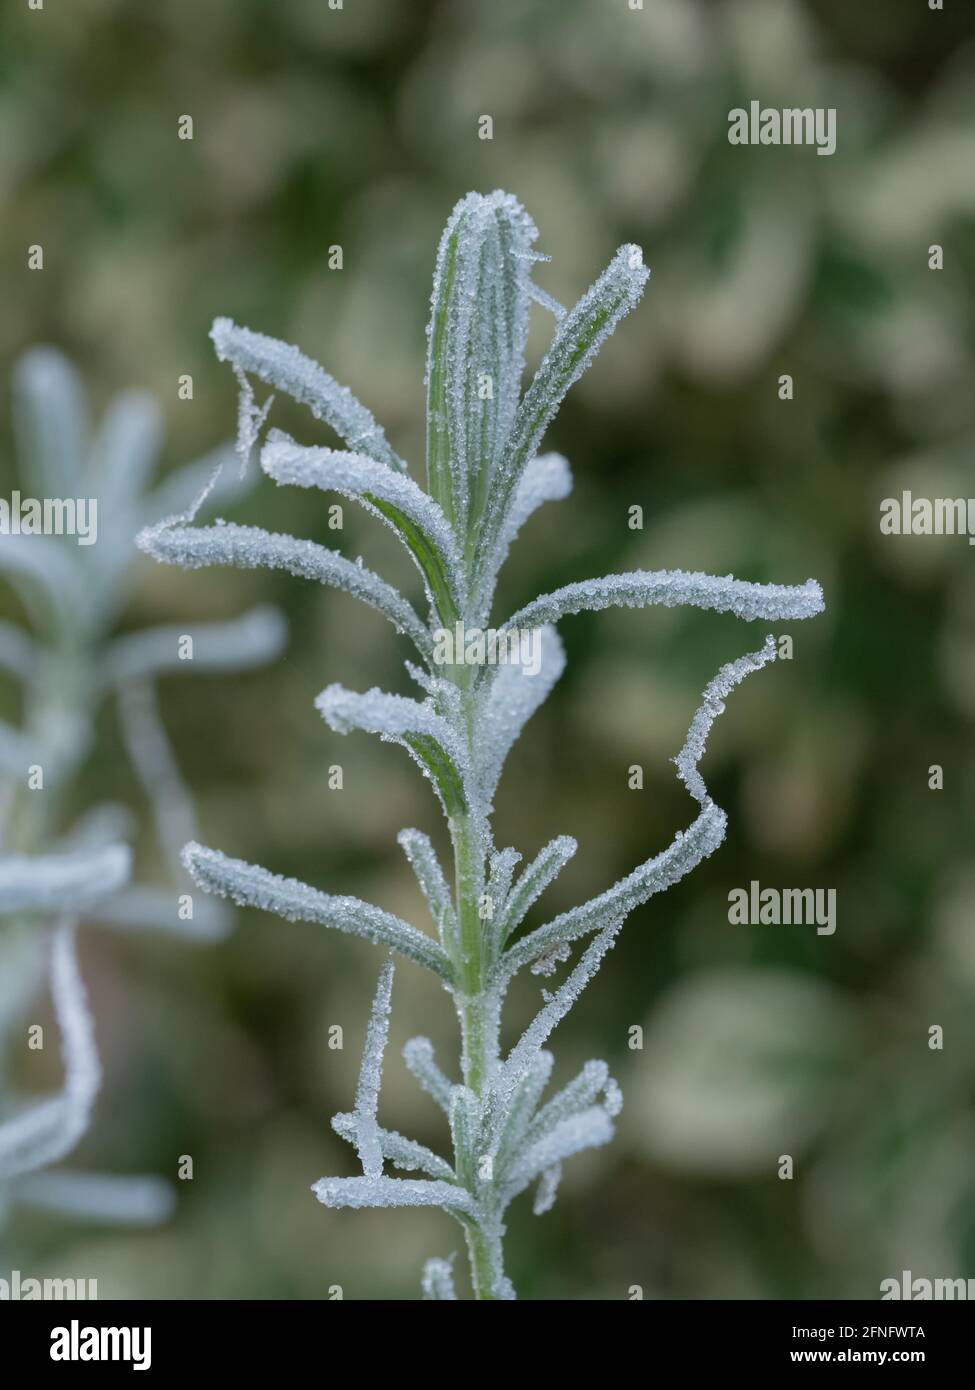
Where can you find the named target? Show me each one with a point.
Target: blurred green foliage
(358, 127)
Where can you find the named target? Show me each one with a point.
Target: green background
(359, 128)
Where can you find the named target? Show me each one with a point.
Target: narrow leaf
(521, 1108)
(425, 734)
(285, 367)
(534, 879)
(670, 588)
(423, 861)
(523, 1054)
(588, 1130)
(248, 547)
(578, 337)
(711, 706)
(581, 1092)
(415, 517)
(394, 1192)
(248, 885)
(687, 849)
(370, 1078)
(476, 347)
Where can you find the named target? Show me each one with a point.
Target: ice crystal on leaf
(484, 479)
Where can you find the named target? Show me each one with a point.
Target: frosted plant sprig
(73, 659)
(484, 479)
(68, 661)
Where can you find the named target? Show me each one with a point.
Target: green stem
(470, 965)
(480, 1254)
(467, 833)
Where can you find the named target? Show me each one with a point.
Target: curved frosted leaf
(711, 706)
(394, 1192)
(521, 1105)
(248, 885)
(56, 882)
(422, 858)
(671, 588)
(588, 1130)
(655, 875)
(581, 1092)
(685, 853)
(249, 547)
(415, 725)
(415, 517)
(283, 366)
(476, 347)
(578, 337)
(534, 879)
(48, 1130)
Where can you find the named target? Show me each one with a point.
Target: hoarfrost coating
(484, 478)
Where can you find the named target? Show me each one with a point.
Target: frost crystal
(485, 478)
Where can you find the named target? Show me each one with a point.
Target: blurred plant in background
(316, 128)
(73, 586)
